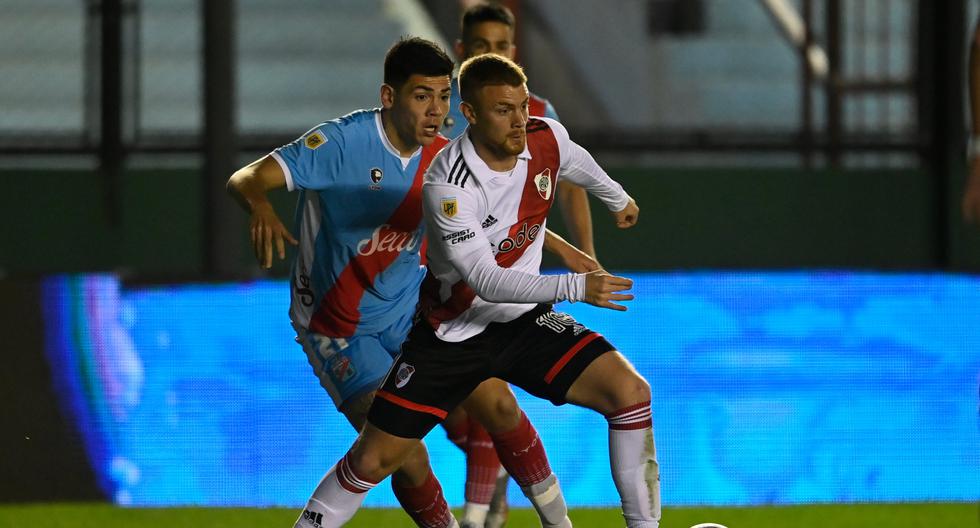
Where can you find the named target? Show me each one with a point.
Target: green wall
(694, 218)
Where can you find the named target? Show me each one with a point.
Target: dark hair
(488, 70)
(415, 56)
(485, 12)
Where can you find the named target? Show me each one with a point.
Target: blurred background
(808, 306)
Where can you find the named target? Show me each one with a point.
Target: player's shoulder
(442, 161)
(449, 166)
(539, 124)
(355, 123)
(539, 106)
(537, 99)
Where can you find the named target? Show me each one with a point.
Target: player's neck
(405, 148)
(495, 159)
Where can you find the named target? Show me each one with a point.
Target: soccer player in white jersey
(356, 277)
(488, 27)
(485, 309)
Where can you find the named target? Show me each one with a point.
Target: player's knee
(415, 469)
(504, 413)
(505, 407)
(630, 390)
(374, 464)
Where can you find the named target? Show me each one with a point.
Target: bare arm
(576, 260)
(249, 186)
(573, 201)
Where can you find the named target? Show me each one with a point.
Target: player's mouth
(430, 130)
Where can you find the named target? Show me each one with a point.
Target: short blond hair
(488, 70)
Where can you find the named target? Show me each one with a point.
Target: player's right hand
(628, 216)
(601, 289)
(971, 194)
(266, 229)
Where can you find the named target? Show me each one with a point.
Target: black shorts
(542, 352)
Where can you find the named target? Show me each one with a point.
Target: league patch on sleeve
(449, 207)
(314, 140)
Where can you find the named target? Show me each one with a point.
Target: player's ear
(468, 112)
(460, 50)
(388, 94)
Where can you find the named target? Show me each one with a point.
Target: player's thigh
(428, 380)
(548, 352)
(608, 384)
(347, 368)
(494, 406)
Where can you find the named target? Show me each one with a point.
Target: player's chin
(514, 146)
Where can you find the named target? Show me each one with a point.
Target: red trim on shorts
(402, 402)
(556, 368)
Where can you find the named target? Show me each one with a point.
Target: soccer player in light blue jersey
(355, 280)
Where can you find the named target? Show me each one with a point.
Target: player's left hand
(628, 216)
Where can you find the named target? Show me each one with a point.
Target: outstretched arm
(461, 239)
(249, 186)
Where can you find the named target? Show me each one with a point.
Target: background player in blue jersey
(355, 280)
(490, 28)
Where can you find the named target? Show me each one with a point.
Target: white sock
(633, 460)
(475, 513)
(335, 500)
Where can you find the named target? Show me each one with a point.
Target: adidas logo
(488, 222)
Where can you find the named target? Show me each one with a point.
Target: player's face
(418, 108)
(500, 117)
(489, 37)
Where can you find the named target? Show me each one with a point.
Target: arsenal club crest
(542, 182)
(376, 176)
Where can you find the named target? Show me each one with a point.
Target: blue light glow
(768, 389)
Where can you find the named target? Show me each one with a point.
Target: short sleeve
(313, 160)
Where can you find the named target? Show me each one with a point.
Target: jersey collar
(388, 146)
(478, 166)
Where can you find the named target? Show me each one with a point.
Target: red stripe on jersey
(536, 106)
(402, 402)
(339, 313)
(531, 213)
(556, 368)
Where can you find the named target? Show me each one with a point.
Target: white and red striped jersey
(486, 229)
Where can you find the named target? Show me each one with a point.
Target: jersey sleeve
(454, 228)
(313, 160)
(580, 168)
